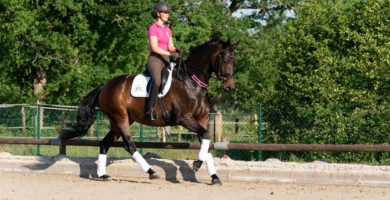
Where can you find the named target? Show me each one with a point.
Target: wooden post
(163, 132)
(219, 126)
(259, 131)
(180, 132)
(167, 131)
(24, 127)
(236, 126)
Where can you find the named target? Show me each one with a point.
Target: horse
(187, 104)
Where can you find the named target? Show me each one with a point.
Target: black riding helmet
(160, 7)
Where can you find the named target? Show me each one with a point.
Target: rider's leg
(155, 65)
(151, 102)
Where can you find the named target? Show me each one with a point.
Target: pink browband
(198, 81)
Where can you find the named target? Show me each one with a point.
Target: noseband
(218, 63)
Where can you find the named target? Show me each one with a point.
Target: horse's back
(115, 92)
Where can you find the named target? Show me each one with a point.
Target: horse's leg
(105, 145)
(130, 147)
(203, 156)
(204, 139)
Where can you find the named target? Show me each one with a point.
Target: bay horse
(187, 103)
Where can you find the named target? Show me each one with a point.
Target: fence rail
(250, 135)
(215, 146)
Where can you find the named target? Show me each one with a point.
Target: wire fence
(46, 121)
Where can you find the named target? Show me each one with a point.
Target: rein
(199, 82)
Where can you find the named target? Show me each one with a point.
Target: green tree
(258, 32)
(55, 51)
(334, 84)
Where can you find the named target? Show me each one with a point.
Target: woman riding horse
(187, 103)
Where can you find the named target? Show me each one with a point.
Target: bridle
(220, 75)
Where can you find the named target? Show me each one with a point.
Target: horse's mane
(206, 44)
(193, 51)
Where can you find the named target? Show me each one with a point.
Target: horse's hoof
(154, 176)
(104, 177)
(196, 165)
(216, 181)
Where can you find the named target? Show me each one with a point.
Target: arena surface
(49, 186)
(74, 178)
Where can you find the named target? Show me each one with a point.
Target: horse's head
(224, 65)
(213, 56)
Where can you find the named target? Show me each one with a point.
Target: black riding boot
(151, 102)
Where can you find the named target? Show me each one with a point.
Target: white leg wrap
(137, 157)
(210, 165)
(102, 161)
(204, 149)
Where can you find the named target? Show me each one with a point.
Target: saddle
(142, 83)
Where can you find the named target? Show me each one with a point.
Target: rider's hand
(179, 51)
(175, 54)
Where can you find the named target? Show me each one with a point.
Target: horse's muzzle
(228, 84)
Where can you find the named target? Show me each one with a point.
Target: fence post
(24, 126)
(214, 128)
(37, 125)
(259, 130)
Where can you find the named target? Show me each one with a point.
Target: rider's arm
(171, 46)
(153, 42)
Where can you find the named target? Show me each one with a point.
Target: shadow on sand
(174, 170)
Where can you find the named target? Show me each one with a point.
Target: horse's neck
(185, 75)
(200, 71)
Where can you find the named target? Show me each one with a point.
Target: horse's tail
(85, 116)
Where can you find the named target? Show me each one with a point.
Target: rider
(161, 49)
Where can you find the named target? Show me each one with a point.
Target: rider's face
(164, 16)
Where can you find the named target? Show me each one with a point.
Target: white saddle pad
(140, 82)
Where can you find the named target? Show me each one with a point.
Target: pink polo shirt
(163, 34)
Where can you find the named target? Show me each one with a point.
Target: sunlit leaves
(334, 63)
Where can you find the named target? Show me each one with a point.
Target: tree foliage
(56, 51)
(321, 68)
(334, 75)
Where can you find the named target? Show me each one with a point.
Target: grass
(82, 151)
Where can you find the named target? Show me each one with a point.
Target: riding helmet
(160, 7)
